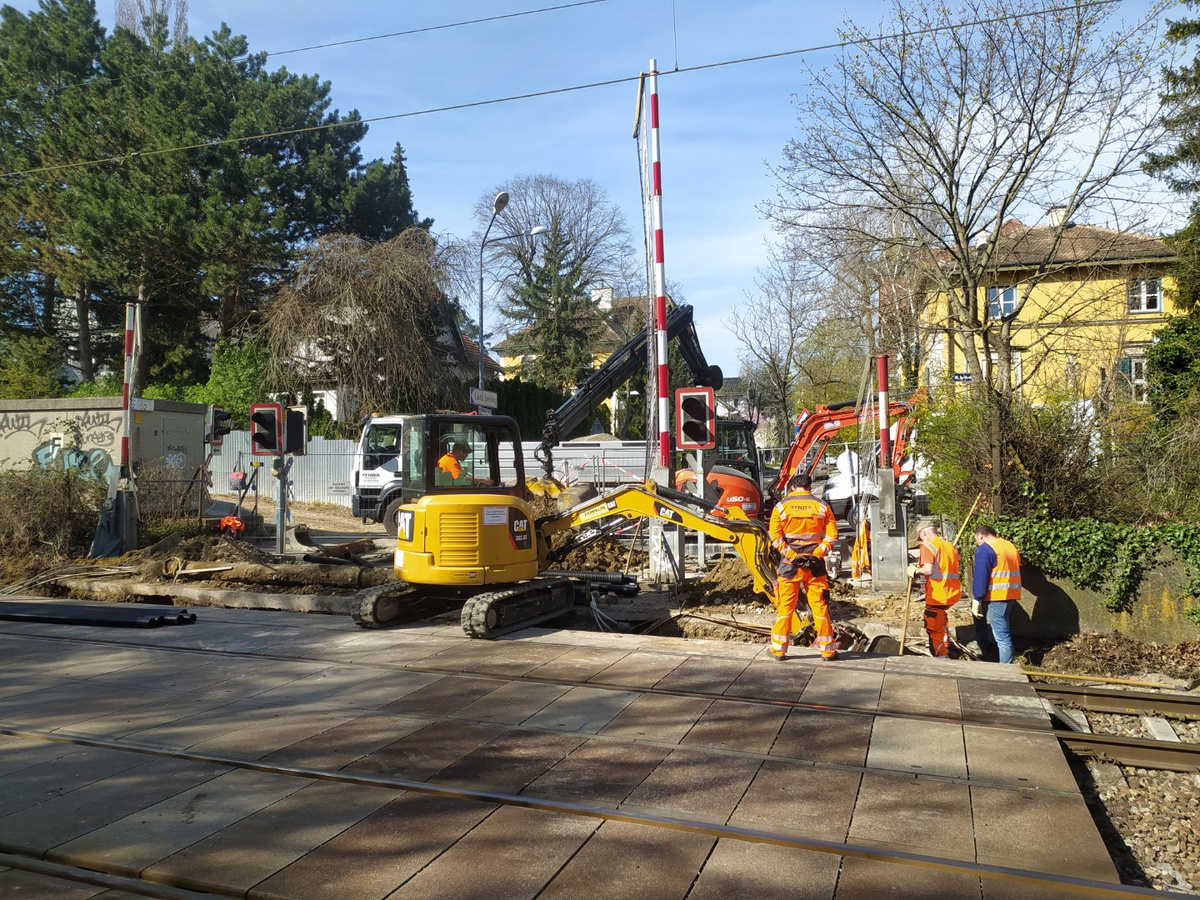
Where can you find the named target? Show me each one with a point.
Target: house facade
(1082, 309)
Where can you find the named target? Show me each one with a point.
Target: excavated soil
(1116, 656)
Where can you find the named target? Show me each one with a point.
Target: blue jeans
(992, 631)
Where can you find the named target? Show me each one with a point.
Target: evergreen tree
(559, 323)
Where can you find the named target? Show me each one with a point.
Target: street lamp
(498, 204)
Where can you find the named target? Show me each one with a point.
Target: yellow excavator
(466, 534)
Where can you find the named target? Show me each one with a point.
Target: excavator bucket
(545, 487)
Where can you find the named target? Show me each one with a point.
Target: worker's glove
(912, 571)
(977, 608)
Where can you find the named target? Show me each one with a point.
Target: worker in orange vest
(938, 561)
(803, 529)
(996, 587)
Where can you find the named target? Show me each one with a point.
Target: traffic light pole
(283, 466)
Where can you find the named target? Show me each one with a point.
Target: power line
(107, 79)
(550, 92)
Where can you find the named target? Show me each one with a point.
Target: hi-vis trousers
(787, 594)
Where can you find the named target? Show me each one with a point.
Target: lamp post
(498, 204)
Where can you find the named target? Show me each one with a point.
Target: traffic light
(219, 425)
(266, 429)
(295, 430)
(695, 419)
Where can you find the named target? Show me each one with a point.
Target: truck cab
(404, 457)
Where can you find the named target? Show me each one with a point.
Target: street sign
(961, 376)
(480, 397)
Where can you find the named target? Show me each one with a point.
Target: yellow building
(1082, 312)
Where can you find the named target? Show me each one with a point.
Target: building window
(1002, 302)
(1132, 369)
(1145, 295)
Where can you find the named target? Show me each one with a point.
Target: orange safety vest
(450, 465)
(1004, 583)
(943, 587)
(803, 524)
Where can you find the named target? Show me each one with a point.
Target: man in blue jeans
(996, 586)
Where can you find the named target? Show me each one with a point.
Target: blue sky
(721, 126)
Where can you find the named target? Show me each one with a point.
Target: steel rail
(1133, 703)
(1143, 753)
(1072, 886)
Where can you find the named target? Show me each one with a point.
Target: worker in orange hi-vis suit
(803, 530)
(938, 561)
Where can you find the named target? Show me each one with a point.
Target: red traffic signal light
(695, 419)
(266, 429)
(220, 423)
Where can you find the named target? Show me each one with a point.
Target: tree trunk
(87, 367)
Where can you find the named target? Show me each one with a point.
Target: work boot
(829, 657)
(778, 658)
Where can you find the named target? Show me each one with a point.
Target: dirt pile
(1116, 656)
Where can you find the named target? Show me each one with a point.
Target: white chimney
(1055, 215)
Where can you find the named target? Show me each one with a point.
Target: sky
(721, 126)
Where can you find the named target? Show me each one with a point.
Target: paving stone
(600, 772)
(343, 744)
(728, 725)
(639, 670)
(21, 885)
(379, 691)
(510, 762)
(1002, 703)
(462, 656)
(765, 679)
(512, 702)
(707, 676)
(636, 861)
(916, 746)
(1038, 830)
(404, 652)
(920, 694)
(248, 851)
(696, 784)
(823, 736)
(583, 709)
(59, 819)
(445, 696)
(183, 732)
(173, 824)
(426, 752)
(320, 685)
(577, 664)
(890, 881)
(843, 686)
(1005, 758)
(529, 847)
(658, 717)
(765, 872)
(519, 659)
(809, 801)
(18, 753)
(371, 859)
(60, 775)
(915, 815)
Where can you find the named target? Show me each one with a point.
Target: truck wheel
(389, 517)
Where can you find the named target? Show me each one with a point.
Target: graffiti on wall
(82, 443)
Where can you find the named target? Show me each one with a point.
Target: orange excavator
(815, 430)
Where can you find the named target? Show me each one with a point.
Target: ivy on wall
(1102, 556)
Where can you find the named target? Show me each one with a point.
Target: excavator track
(513, 608)
(395, 602)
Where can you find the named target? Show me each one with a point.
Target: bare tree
(956, 120)
(143, 16)
(370, 319)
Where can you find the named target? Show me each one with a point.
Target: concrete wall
(1056, 608)
(86, 433)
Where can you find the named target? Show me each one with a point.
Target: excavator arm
(749, 538)
(615, 371)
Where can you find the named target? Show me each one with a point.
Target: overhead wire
(549, 92)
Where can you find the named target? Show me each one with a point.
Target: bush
(49, 515)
